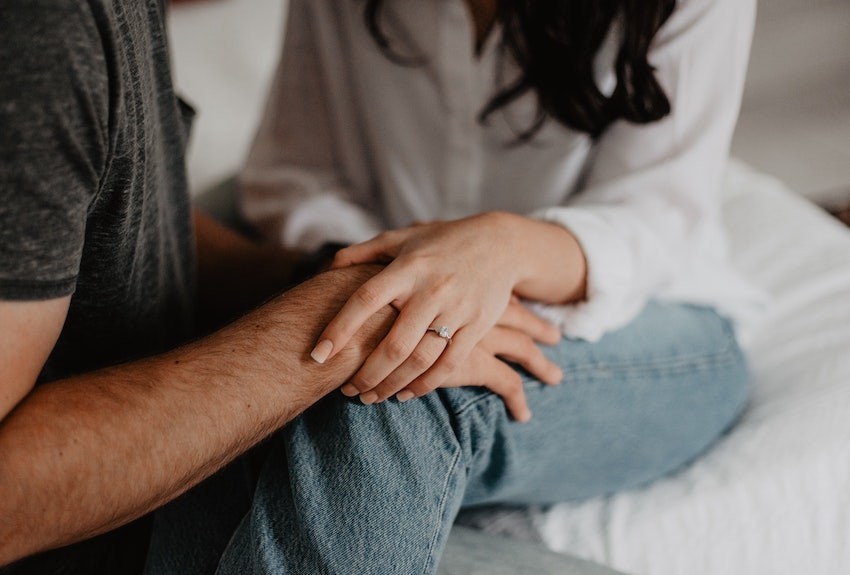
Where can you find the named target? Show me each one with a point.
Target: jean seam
(671, 365)
(442, 508)
(727, 356)
(729, 346)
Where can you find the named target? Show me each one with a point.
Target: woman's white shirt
(353, 143)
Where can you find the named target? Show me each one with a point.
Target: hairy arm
(81, 456)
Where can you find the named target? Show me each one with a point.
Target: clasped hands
(461, 275)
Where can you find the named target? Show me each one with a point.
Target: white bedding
(774, 496)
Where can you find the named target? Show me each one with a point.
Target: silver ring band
(443, 332)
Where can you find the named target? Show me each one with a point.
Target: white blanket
(773, 497)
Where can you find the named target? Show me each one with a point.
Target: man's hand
(513, 339)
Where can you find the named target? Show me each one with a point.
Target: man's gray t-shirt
(93, 197)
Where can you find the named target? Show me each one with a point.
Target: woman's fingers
(507, 384)
(453, 356)
(397, 346)
(497, 376)
(520, 318)
(485, 367)
(518, 348)
(423, 357)
(379, 249)
(380, 290)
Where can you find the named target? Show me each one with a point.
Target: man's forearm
(84, 455)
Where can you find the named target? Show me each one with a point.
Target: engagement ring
(443, 332)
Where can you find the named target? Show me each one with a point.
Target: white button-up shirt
(353, 144)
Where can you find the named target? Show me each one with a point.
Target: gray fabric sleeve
(54, 118)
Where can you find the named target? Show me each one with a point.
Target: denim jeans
(350, 488)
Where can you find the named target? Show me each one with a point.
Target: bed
(773, 497)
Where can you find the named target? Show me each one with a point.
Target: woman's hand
(457, 274)
(487, 367)
(513, 339)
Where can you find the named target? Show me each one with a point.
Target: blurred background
(795, 118)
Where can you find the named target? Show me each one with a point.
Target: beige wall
(224, 55)
(795, 121)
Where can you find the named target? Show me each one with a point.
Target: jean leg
(349, 488)
(633, 407)
(358, 489)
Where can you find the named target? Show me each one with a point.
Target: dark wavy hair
(554, 42)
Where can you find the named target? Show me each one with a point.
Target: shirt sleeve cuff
(36, 290)
(611, 301)
(327, 218)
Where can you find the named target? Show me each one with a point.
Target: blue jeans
(349, 488)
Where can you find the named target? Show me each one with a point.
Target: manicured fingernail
(322, 350)
(349, 390)
(405, 395)
(369, 397)
(558, 377)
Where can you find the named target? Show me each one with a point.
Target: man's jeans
(350, 488)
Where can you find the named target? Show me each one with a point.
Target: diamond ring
(443, 332)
